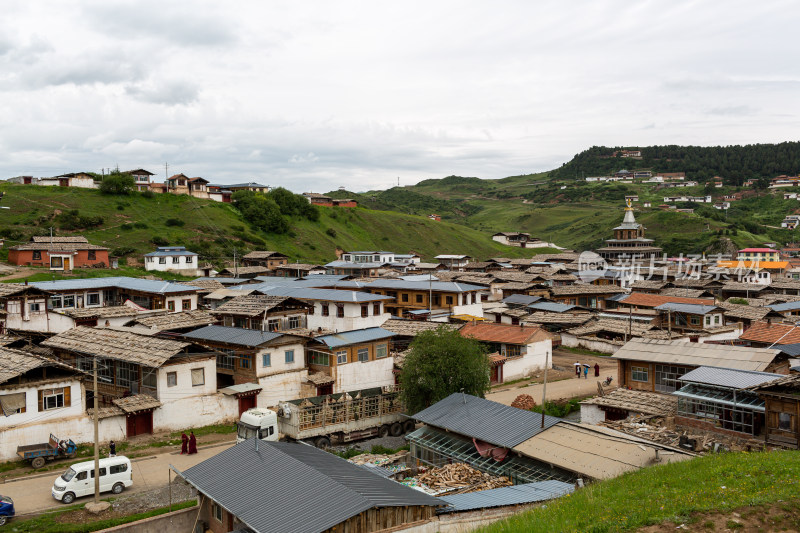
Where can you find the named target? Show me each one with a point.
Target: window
(364, 310)
(101, 470)
(639, 373)
(266, 359)
(162, 260)
(35, 307)
(318, 358)
(53, 398)
(448, 300)
(785, 421)
(198, 377)
(289, 355)
(91, 255)
(266, 432)
(341, 357)
(339, 311)
(273, 324)
(380, 351)
(325, 309)
(312, 309)
(294, 322)
(69, 301)
(82, 476)
(404, 297)
(708, 320)
(127, 374)
(189, 259)
(226, 359)
(418, 298)
(37, 255)
(93, 298)
(55, 302)
(666, 377)
(245, 361)
(186, 304)
(176, 260)
(376, 309)
(117, 469)
(717, 319)
(694, 320)
(172, 379)
(363, 354)
(171, 305)
(511, 350)
(216, 511)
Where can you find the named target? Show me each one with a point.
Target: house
(691, 318)
(589, 296)
(141, 178)
(177, 184)
(435, 218)
(655, 365)
(249, 186)
(512, 238)
(244, 272)
(172, 322)
(299, 270)
(782, 411)
(405, 331)
(518, 351)
(265, 258)
(264, 312)
(673, 176)
(453, 262)
(274, 363)
(318, 199)
(172, 259)
(368, 257)
(219, 193)
(721, 400)
(758, 254)
(24, 308)
(696, 199)
(145, 383)
(359, 270)
(39, 396)
(350, 360)
(73, 179)
(198, 187)
(622, 403)
(59, 253)
(345, 496)
(790, 221)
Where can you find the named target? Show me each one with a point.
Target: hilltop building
(629, 241)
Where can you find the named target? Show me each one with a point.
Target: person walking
(192, 443)
(597, 370)
(112, 449)
(585, 371)
(184, 444)
(578, 369)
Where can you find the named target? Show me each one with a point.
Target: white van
(78, 480)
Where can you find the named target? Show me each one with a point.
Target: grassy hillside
(671, 493)
(133, 225)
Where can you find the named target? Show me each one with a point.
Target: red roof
(767, 333)
(503, 333)
(641, 299)
(763, 250)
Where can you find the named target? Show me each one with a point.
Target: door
(140, 423)
(82, 486)
(246, 402)
(67, 263)
(322, 390)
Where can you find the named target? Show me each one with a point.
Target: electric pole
(96, 440)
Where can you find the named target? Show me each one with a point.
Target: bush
(71, 220)
(331, 232)
(148, 194)
(159, 241)
(174, 222)
(140, 225)
(117, 184)
(122, 250)
(126, 227)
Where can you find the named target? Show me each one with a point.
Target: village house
(454, 262)
(782, 411)
(59, 253)
(72, 179)
(172, 259)
(177, 184)
(345, 496)
(516, 351)
(512, 238)
(249, 186)
(264, 312)
(588, 296)
(141, 178)
(145, 383)
(359, 270)
(299, 270)
(161, 322)
(656, 365)
(350, 360)
(758, 254)
(24, 308)
(696, 199)
(219, 193)
(269, 259)
(265, 366)
(406, 330)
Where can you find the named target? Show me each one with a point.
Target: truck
(37, 454)
(321, 420)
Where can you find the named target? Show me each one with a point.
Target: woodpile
(379, 459)
(458, 478)
(524, 401)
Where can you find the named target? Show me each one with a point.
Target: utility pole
(96, 440)
(430, 297)
(544, 387)
(166, 171)
(235, 267)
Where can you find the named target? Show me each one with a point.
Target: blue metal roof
(514, 495)
(788, 306)
(121, 282)
(400, 284)
(691, 309)
(357, 336)
(170, 251)
(349, 264)
(328, 295)
(239, 336)
(552, 307)
(485, 420)
(227, 281)
(728, 377)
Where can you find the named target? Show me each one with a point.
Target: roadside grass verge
(673, 492)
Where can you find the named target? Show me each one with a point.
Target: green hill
(134, 224)
(677, 493)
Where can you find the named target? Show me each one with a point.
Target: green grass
(48, 522)
(662, 493)
(81, 273)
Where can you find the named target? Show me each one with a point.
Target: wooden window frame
(640, 370)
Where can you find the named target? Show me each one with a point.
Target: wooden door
(246, 402)
(67, 263)
(140, 424)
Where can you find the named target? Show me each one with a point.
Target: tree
(442, 362)
(117, 184)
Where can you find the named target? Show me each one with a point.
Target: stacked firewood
(460, 478)
(524, 401)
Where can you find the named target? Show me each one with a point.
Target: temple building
(629, 241)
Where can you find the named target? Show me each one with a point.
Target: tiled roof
(767, 333)
(413, 327)
(182, 320)
(503, 333)
(749, 312)
(649, 403)
(640, 299)
(251, 304)
(262, 254)
(568, 290)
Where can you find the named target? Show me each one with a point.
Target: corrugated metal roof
(357, 336)
(229, 335)
(595, 451)
(401, 284)
(485, 420)
(552, 307)
(514, 495)
(176, 253)
(697, 354)
(727, 377)
(788, 306)
(792, 350)
(133, 284)
(241, 480)
(691, 309)
(328, 295)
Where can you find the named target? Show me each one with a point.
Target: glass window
(339, 311)
(69, 301)
(376, 309)
(118, 469)
(93, 298)
(318, 358)
(380, 351)
(176, 260)
(55, 302)
(127, 374)
(52, 399)
(225, 359)
(56, 262)
(198, 377)
(266, 359)
(171, 305)
(37, 255)
(189, 259)
(448, 300)
(172, 379)
(364, 310)
(785, 421)
(325, 309)
(294, 322)
(186, 304)
(162, 260)
(273, 324)
(363, 354)
(639, 373)
(341, 357)
(91, 255)
(418, 298)
(289, 354)
(245, 361)
(216, 510)
(404, 297)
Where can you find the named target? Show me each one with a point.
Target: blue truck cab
(6, 509)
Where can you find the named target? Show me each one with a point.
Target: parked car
(6, 509)
(78, 480)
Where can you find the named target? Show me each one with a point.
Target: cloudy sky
(317, 95)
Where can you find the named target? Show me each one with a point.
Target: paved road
(32, 494)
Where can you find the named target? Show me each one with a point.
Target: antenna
(464, 396)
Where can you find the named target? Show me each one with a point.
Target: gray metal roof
(401, 284)
(553, 307)
(728, 377)
(121, 282)
(263, 487)
(328, 295)
(485, 420)
(229, 335)
(788, 306)
(227, 280)
(173, 253)
(350, 264)
(358, 336)
(521, 299)
(792, 350)
(514, 495)
(691, 309)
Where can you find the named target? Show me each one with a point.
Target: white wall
(475, 309)
(152, 263)
(283, 386)
(358, 375)
(536, 357)
(352, 317)
(595, 345)
(278, 362)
